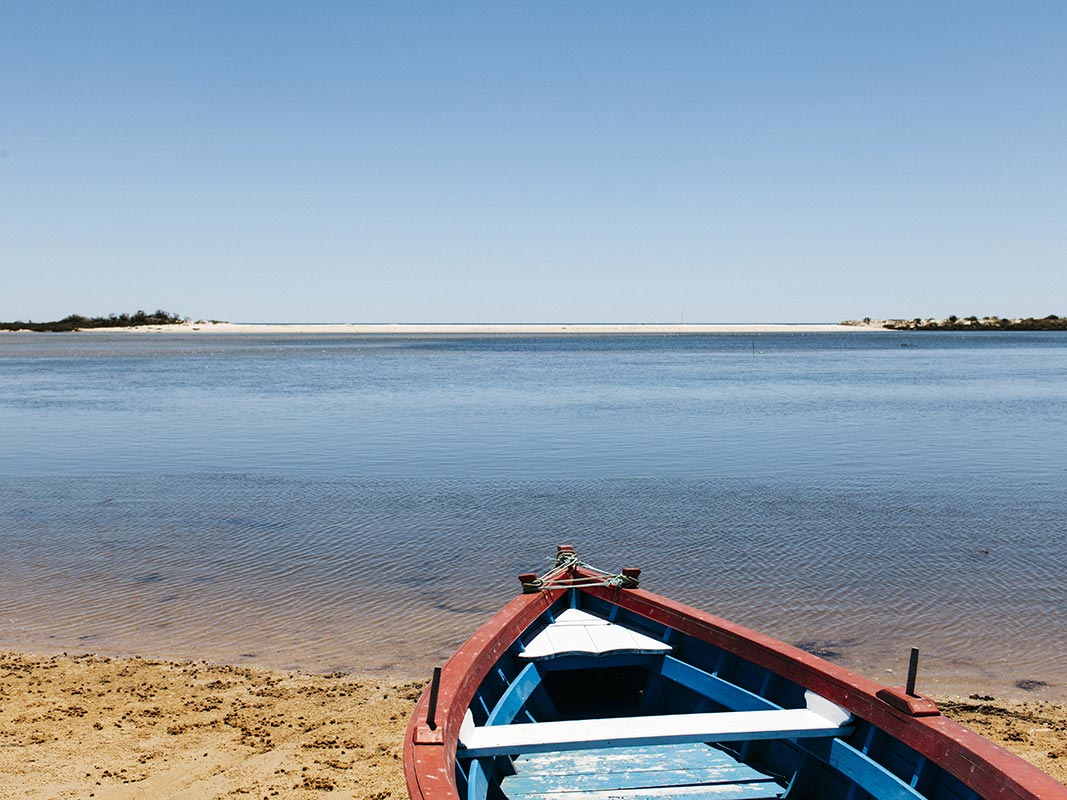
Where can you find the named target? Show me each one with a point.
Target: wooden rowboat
(586, 687)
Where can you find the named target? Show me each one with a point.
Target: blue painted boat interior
(674, 770)
(693, 677)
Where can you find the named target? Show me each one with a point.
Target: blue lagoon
(324, 501)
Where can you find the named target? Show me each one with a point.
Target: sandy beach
(77, 726)
(90, 726)
(435, 329)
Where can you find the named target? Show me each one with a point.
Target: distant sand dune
(473, 328)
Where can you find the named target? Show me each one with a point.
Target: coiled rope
(564, 575)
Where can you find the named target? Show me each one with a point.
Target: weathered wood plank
(637, 779)
(687, 771)
(751, 791)
(648, 758)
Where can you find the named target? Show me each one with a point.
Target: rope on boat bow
(564, 574)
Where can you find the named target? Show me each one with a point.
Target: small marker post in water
(913, 668)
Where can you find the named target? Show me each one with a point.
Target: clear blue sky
(504, 162)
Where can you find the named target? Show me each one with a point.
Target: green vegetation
(77, 322)
(954, 323)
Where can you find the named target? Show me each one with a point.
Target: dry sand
(445, 329)
(89, 726)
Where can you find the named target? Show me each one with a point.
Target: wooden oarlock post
(431, 712)
(913, 669)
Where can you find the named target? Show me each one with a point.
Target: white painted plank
(725, 726)
(577, 632)
(575, 616)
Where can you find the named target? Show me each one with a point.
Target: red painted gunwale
(987, 768)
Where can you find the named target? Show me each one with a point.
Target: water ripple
(391, 575)
(363, 502)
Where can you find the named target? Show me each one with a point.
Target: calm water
(346, 502)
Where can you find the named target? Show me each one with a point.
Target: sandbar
(92, 726)
(445, 329)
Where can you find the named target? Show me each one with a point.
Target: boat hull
(906, 733)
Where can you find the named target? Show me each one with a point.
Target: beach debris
(823, 648)
(1028, 685)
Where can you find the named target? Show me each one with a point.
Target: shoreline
(939, 676)
(444, 329)
(86, 725)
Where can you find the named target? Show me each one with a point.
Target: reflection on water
(364, 502)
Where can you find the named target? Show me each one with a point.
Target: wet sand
(90, 726)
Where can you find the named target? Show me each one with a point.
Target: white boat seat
(821, 718)
(577, 632)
